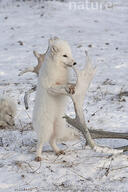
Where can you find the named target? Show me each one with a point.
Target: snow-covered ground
(104, 33)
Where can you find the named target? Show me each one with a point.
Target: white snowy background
(103, 32)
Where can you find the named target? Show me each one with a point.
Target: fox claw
(71, 89)
(61, 152)
(38, 159)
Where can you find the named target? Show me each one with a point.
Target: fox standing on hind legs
(49, 108)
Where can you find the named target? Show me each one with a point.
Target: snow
(103, 32)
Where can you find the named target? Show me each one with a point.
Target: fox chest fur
(53, 74)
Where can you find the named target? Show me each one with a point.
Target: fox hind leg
(55, 147)
(53, 140)
(39, 150)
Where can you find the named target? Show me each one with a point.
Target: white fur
(7, 112)
(49, 109)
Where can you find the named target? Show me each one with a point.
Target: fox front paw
(38, 159)
(71, 89)
(61, 152)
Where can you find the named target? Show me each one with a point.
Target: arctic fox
(7, 112)
(49, 109)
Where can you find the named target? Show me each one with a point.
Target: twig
(37, 168)
(108, 169)
(27, 95)
(119, 168)
(78, 174)
(27, 114)
(125, 148)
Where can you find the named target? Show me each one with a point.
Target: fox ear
(52, 40)
(55, 38)
(52, 45)
(54, 49)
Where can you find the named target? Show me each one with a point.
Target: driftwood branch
(40, 59)
(86, 75)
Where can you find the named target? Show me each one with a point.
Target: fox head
(61, 52)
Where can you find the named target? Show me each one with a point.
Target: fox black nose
(74, 63)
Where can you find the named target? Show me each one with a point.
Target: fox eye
(65, 56)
